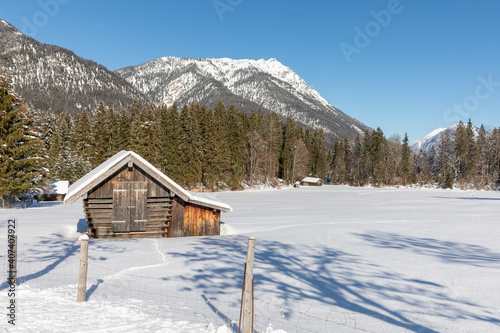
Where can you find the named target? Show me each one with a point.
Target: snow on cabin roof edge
(311, 179)
(75, 190)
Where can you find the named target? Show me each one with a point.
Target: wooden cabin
(127, 197)
(310, 181)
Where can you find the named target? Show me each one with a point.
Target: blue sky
(404, 66)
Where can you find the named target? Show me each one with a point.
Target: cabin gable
(126, 197)
(129, 203)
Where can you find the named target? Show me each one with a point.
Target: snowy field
(327, 259)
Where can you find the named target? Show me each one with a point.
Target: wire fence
(139, 290)
(7, 203)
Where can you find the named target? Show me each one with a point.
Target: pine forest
(227, 148)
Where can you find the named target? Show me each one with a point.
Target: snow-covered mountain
(248, 84)
(51, 77)
(433, 138)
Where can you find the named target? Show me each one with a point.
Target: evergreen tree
(82, 139)
(448, 180)
(405, 160)
(236, 137)
(47, 125)
(483, 154)
(125, 119)
(101, 136)
(444, 160)
(20, 148)
(114, 131)
(357, 158)
(215, 145)
(190, 147)
(170, 132)
(378, 153)
(273, 135)
(290, 137)
(144, 135)
(465, 151)
(495, 157)
(318, 154)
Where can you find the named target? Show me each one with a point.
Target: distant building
(310, 181)
(54, 191)
(127, 197)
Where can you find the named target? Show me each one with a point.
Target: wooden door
(129, 206)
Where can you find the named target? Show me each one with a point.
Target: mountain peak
(246, 83)
(433, 138)
(51, 77)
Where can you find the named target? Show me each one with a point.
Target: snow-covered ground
(327, 259)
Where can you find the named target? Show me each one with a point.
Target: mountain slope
(248, 84)
(51, 77)
(432, 139)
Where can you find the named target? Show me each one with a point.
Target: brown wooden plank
(144, 234)
(199, 222)
(121, 201)
(139, 195)
(177, 225)
(187, 221)
(95, 215)
(217, 223)
(100, 201)
(206, 217)
(100, 206)
(159, 199)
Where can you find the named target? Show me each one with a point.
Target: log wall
(98, 213)
(98, 207)
(166, 214)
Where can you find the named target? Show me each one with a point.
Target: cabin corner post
(82, 274)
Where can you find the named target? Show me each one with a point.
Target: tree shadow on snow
(318, 275)
(451, 252)
(53, 252)
(469, 198)
(81, 226)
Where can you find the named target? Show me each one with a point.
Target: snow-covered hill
(51, 77)
(248, 84)
(433, 138)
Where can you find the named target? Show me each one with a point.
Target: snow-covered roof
(109, 167)
(311, 180)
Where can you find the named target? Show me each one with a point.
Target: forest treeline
(195, 146)
(226, 148)
(460, 158)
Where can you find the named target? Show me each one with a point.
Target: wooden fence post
(248, 293)
(82, 275)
